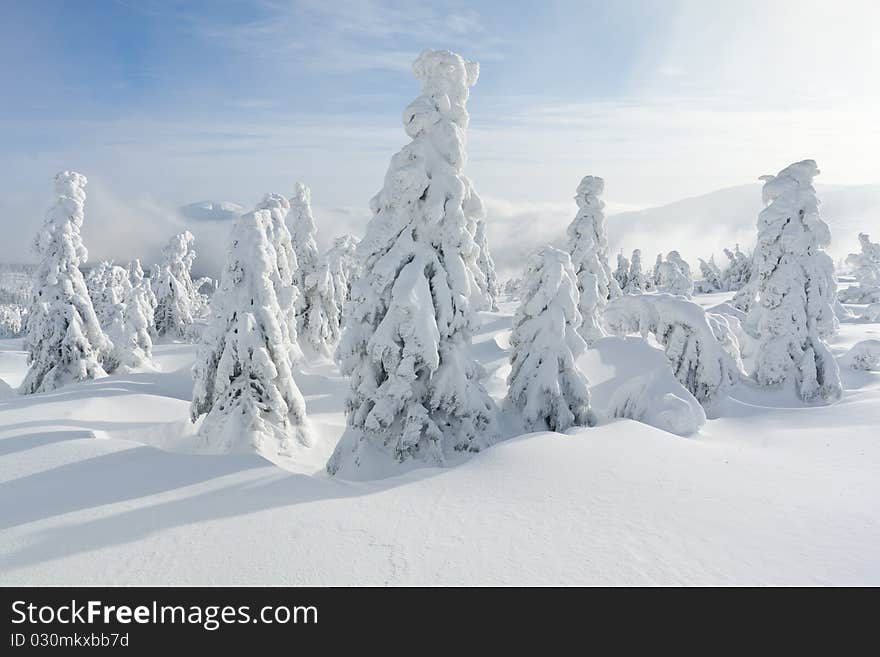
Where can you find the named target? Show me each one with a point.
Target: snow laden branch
(415, 389)
(588, 246)
(545, 385)
(701, 347)
(243, 372)
(794, 287)
(64, 339)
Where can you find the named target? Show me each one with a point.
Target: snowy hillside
(99, 484)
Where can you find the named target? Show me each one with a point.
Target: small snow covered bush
(12, 320)
(588, 247)
(794, 288)
(864, 355)
(545, 385)
(701, 347)
(243, 372)
(415, 389)
(64, 340)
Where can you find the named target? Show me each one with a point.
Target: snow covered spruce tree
(621, 274)
(545, 385)
(64, 340)
(736, 274)
(488, 279)
(794, 287)
(675, 276)
(243, 371)
(303, 232)
(636, 283)
(701, 347)
(129, 322)
(588, 247)
(286, 272)
(177, 302)
(415, 390)
(712, 276)
(656, 273)
(344, 266)
(865, 266)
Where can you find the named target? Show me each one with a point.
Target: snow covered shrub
(178, 302)
(415, 389)
(636, 283)
(12, 320)
(864, 355)
(701, 347)
(712, 277)
(545, 385)
(64, 340)
(243, 374)
(488, 280)
(794, 288)
(511, 288)
(588, 247)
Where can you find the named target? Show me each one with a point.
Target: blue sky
(161, 103)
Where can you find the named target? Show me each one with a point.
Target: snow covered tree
(739, 268)
(128, 312)
(488, 280)
(139, 281)
(675, 276)
(701, 347)
(341, 269)
(285, 272)
(177, 300)
(794, 287)
(588, 247)
(415, 389)
(303, 232)
(64, 340)
(712, 276)
(636, 283)
(865, 266)
(512, 286)
(243, 372)
(545, 384)
(621, 274)
(657, 271)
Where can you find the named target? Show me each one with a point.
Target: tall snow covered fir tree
(636, 283)
(344, 268)
(285, 274)
(794, 287)
(415, 389)
(303, 232)
(243, 372)
(64, 340)
(486, 265)
(588, 247)
(177, 302)
(545, 385)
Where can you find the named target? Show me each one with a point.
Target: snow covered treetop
(301, 195)
(588, 192)
(72, 184)
(179, 246)
(445, 78)
(790, 193)
(272, 201)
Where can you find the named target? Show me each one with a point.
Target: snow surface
(99, 485)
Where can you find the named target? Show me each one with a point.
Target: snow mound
(6, 390)
(632, 379)
(212, 210)
(864, 355)
(655, 398)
